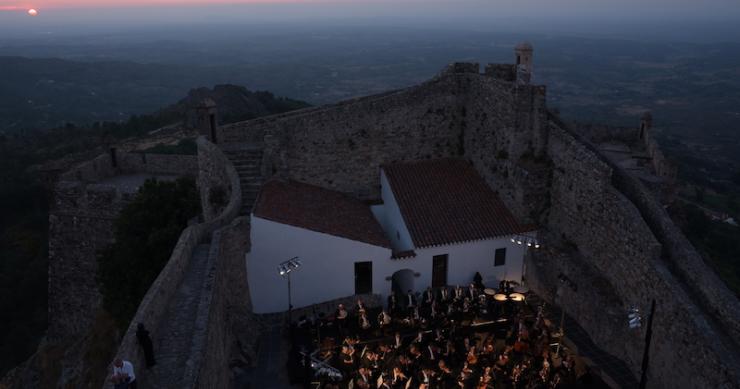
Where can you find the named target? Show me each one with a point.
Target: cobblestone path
(179, 336)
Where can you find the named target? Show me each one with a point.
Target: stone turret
(524, 62)
(206, 119)
(646, 123)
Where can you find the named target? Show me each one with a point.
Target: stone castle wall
(154, 305)
(81, 221)
(499, 126)
(615, 245)
(229, 316)
(601, 232)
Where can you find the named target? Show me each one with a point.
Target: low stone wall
(175, 164)
(101, 167)
(329, 307)
(154, 304)
(217, 177)
(598, 133)
(228, 318)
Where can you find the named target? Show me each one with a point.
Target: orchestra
(431, 342)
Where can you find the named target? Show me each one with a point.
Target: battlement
(503, 72)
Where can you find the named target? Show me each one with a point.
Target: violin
(472, 358)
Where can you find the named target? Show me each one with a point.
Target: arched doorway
(402, 281)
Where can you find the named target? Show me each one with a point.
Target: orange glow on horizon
(22, 5)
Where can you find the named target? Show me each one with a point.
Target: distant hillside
(236, 103)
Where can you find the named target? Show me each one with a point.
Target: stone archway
(402, 281)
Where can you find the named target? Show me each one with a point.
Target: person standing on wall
(142, 335)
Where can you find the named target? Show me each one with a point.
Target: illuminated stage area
(459, 337)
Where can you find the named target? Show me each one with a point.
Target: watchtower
(646, 123)
(524, 66)
(206, 119)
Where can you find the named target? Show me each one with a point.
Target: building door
(402, 281)
(439, 270)
(363, 277)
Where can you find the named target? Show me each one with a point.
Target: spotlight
(536, 245)
(513, 240)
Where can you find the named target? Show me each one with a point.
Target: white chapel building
(438, 224)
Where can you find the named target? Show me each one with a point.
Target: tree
(145, 234)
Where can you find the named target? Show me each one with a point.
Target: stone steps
(247, 162)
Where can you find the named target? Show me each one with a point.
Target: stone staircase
(247, 161)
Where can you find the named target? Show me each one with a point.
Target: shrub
(145, 233)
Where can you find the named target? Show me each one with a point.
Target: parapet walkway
(181, 334)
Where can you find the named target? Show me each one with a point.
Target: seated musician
(360, 306)
(392, 304)
(444, 294)
(347, 357)
(397, 341)
(364, 322)
(428, 296)
(341, 316)
(363, 378)
(472, 357)
(399, 378)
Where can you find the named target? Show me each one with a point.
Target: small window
(398, 235)
(500, 257)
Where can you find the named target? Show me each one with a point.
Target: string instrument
(555, 381)
(516, 373)
(545, 371)
(520, 346)
(364, 322)
(472, 357)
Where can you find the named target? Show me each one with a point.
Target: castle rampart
(601, 225)
(601, 210)
(622, 246)
(86, 201)
(153, 306)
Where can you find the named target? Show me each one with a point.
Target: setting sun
(33, 12)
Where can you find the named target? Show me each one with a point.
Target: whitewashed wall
(463, 261)
(390, 218)
(328, 265)
(327, 272)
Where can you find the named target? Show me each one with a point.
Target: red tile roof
(318, 209)
(446, 201)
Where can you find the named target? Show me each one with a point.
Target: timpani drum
(500, 297)
(516, 297)
(489, 291)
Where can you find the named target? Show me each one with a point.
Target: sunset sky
(476, 14)
(708, 7)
